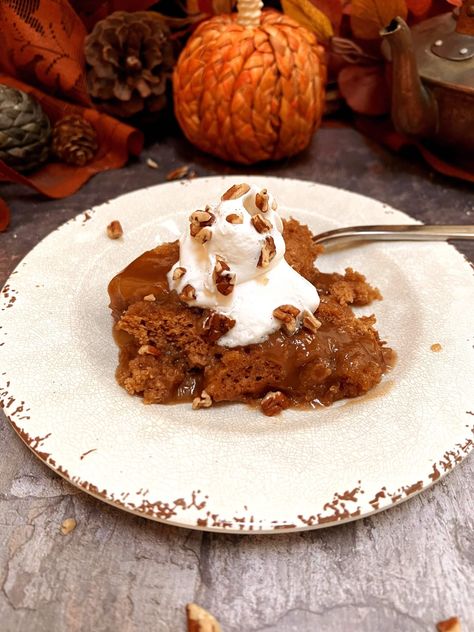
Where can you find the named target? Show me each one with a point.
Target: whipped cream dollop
(232, 262)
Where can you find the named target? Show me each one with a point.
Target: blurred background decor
(74, 141)
(109, 63)
(130, 59)
(249, 86)
(24, 130)
(433, 82)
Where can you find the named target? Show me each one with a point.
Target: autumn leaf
(332, 9)
(369, 16)
(365, 89)
(418, 7)
(305, 13)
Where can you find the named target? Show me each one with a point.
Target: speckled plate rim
(196, 510)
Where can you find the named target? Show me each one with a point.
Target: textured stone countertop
(400, 570)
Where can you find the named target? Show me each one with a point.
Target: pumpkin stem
(249, 12)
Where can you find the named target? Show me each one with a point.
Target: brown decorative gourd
(250, 86)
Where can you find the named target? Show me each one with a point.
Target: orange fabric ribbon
(4, 215)
(41, 45)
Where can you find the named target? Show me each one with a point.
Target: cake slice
(237, 311)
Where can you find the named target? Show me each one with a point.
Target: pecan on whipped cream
(232, 256)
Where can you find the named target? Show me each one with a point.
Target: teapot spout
(413, 107)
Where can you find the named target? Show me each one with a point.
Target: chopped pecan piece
(267, 253)
(261, 201)
(152, 163)
(114, 229)
(199, 620)
(287, 314)
(283, 311)
(188, 293)
(236, 191)
(235, 218)
(178, 273)
(225, 284)
(203, 218)
(204, 235)
(178, 173)
(221, 266)
(449, 625)
(216, 325)
(223, 277)
(203, 401)
(149, 297)
(148, 350)
(310, 322)
(273, 403)
(261, 224)
(200, 219)
(68, 525)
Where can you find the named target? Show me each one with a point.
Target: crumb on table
(67, 526)
(199, 620)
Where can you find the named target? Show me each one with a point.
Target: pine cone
(24, 130)
(74, 140)
(131, 59)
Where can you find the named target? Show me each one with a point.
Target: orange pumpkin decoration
(250, 86)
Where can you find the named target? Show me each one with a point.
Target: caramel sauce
(314, 365)
(314, 369)
(145, 275)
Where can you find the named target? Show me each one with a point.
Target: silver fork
(397, 232)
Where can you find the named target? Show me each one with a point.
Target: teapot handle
(465, 24)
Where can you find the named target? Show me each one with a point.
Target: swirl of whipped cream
(232, 262)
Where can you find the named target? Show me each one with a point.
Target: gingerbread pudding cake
(237, 311)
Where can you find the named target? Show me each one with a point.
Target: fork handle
(398, 232)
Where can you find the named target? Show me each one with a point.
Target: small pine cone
(74, 140)
(130, 57)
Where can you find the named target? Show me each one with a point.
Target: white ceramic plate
(231, 468)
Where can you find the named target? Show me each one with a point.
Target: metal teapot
(433, 80)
